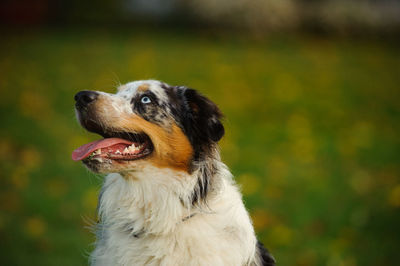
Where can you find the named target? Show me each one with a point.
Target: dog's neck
(156, 201)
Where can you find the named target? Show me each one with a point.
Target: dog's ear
(201, 118)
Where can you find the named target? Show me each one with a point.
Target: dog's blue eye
(145, 99)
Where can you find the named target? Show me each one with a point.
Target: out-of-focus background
(310, 91)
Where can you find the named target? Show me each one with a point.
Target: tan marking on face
(172, 148)
(143, 88)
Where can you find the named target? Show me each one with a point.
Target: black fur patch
(199, 118)
(203, 118)
(204, 182)
(265, 256)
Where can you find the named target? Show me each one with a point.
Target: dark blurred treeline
(257, 16)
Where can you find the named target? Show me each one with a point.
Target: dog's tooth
(117, 152)
(126, 150)
(136, 148)
(94, 153)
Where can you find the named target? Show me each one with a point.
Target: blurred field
(312, 137)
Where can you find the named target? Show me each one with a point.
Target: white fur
(129, 89)
(154, 204)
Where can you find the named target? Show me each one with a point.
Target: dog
(168, 199)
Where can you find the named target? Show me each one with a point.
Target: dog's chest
(138, 230)
(189, 245)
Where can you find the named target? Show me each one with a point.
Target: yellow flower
(250, 184)
(31, 158)
(261, 219)
(303, 149)
(281, 234)
(361, 181)
(394, 196)
(35, 226)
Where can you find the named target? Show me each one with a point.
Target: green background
(312, 136)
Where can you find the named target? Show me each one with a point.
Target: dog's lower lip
(145, 154)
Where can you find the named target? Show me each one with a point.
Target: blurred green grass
(312, 137)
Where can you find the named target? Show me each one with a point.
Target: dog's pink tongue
(85, 150)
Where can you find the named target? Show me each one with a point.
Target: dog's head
(147, 122)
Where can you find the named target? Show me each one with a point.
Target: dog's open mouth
(116, 146)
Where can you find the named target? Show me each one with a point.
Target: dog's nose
(83, 98)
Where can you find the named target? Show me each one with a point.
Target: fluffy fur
(179, 205)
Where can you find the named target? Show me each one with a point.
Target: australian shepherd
(167, 199)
